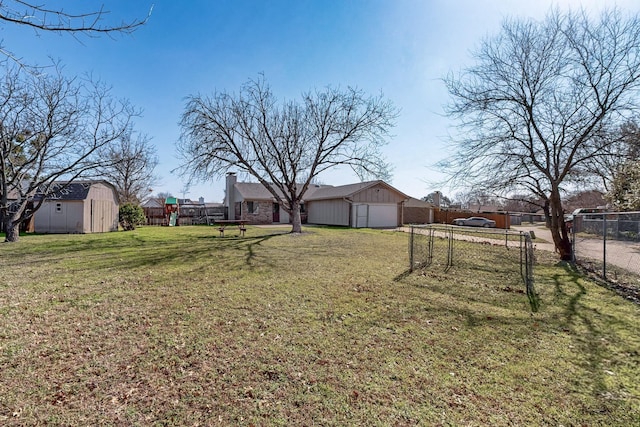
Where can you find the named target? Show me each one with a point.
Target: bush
(131, 215)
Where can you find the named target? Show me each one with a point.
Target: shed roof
(77, 190)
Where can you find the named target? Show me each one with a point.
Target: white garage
(373, 204)
(375, 215)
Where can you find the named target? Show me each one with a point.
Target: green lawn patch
(177, 326)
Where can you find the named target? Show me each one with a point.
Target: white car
(475, 221)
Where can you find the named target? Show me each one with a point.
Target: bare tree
(284, 146)
(40, 17)
(521, 203)
(131, 162)
(164, 195)
(532, 107)
(52, 128)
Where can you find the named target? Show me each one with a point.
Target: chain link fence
(508, 254)
(608, 245)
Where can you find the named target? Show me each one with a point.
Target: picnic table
(224, 223)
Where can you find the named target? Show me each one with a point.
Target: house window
(251, 207)
(302, 210)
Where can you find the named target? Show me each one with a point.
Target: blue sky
(401, 48)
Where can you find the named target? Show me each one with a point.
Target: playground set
(171, 211)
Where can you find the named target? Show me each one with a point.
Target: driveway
(622, 254)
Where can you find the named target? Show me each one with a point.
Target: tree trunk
(558, 227)
(547, 214)
(296, 222)
(11, 229)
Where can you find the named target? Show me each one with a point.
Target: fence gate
(445, 247)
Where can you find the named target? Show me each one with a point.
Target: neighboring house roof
(192, 204)
(416, 203)
(154, 202)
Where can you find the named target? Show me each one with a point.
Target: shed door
(362, 216)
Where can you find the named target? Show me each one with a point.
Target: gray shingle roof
(68, 191)
(256, 191)
(340, 191)
(77, 190)
(253, 191)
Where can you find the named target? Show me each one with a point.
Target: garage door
(377, 216)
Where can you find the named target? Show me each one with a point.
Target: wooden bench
(223, 224)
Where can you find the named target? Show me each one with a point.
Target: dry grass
(176, 326)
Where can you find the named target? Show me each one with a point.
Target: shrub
(131, 215)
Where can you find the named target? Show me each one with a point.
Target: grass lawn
(177, 326)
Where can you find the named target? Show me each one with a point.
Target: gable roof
(154, 202)
(345, 191)
(257, 191)
(253, 191)
(77, 190)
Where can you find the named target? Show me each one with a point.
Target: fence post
(431, 238)
(573, 239)
(450, 253)
(521, 258)
(604, 246)
(411, 250)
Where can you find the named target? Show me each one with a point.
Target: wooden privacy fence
(502, 219)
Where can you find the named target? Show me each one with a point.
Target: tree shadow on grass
(244, 247)
(590, 327)
(135, 252)
(251, 242)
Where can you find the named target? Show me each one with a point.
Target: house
(373, 204)
(78, 207)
